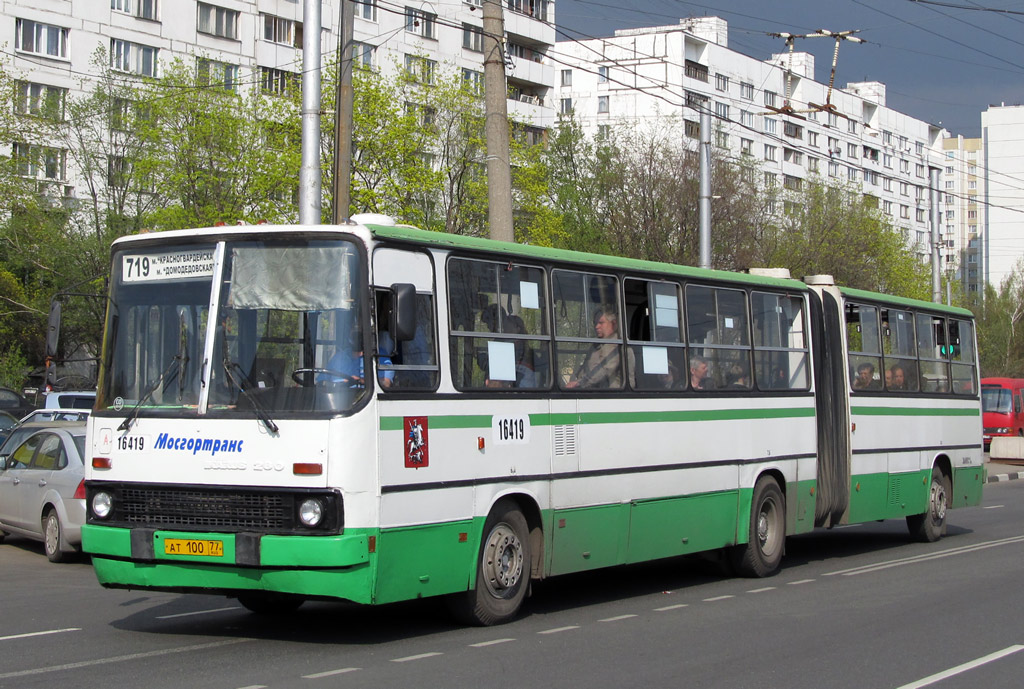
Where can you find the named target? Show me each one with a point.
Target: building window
(812, 164)
(362, 55)
(950, 184)
(721, 82)
(887, 183)
(747, 119)
(143, 9)
(920, 215)
(134, 58)
(40, 100)
(792, 183)
(472, 38)
(887, 160)
(905, 212)
(366, 9)
(851, 174)
(792, 130)
(812, 139)
(851, 151)
(565, 106)
(791, 155)
(770, 125)
(770, 152)
(722, 110)
(851, 126)
(904, 189)
(421, 23)
(41, 162)
(696, 70)
(919, 169)
(833, 119)
(747, 147)
(747, 90)
(41, 39)
(919, 147)
(218, 21)
(887, 138)
(214, 73)
(420, 69)
(602, 104)
(278, 82)
(566, 77)
(721, 139)
(770, 180)
(833, 169)
(691, 129)
(473, 81)
(281, 30)
(602, 75)
(769, 99)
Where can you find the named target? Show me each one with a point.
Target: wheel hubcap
(938, 501)
(52, 534)
(767, 527)
(503, 560)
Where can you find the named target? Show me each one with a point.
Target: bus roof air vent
(373, 219)
(820, 280)
(770, 272)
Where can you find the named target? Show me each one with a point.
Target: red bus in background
(1002, 407)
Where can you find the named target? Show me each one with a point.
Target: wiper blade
(133, 414)
(261, 413)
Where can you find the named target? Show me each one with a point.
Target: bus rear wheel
(502, 573)
(761, 554)
(931, 526)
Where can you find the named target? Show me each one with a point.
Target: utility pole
(309, 174)
(936, 248)
(704, 205)
(343, 104)
(499, 172)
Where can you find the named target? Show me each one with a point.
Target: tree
(999, 321)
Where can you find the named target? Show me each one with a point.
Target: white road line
(559, 629)
(331, 673)
(925, 557)
(255, 686)
(197, 612)
(492, 642)
(717, 598)
(420, 656)
(616, 618)
(762, 589)
(121, 659)
(48, 631)
(939, 676)
(800, 581)
(993, 507)
(672, 607)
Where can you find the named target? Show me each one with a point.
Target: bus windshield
(286, 335)
(996, 400)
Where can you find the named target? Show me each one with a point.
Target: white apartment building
(640, 75)
(963, 211)
(50, 43)
(1003, 171)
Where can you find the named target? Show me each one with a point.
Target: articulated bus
(376, 413)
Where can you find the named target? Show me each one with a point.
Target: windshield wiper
(178, 361)
(261, 413)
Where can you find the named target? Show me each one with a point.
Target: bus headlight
(102, 504)
(311, 512)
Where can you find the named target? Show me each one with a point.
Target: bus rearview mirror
(403, 311)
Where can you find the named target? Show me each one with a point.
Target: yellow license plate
(187, 546)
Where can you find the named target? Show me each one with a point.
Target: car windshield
(284, 310)
(996, 400)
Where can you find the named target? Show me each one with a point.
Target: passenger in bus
(603, 366)
(865, 379)
(349, 362)
(899, 378)
(698, 373)
(738, 378)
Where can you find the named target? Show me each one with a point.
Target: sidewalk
(997, 471)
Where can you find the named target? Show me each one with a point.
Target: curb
(1011, 476)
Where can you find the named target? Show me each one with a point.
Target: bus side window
(718, 332)
(655, 335)
(862, 341)
(780, 343)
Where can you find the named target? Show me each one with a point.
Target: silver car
(42, 489)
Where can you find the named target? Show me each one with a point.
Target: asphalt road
(853, 607)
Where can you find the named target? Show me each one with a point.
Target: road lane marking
(762, 589)
(993, 507)
(197, 612)
(672, 607)
(48, 631)
(419, 656)
(960, 550)
(255, 686)
(939, 676)
(492, 642)
(616, 618)
(121, 659)
(800, 581)
(559, 629)
(331, 673)
(717, 598)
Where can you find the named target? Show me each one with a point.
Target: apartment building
(963, 211)
(768, 111)
(1002, 163)
(258, 43)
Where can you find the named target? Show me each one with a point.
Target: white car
(70, 399)
(42, 489)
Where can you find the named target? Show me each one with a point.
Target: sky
(942, 61)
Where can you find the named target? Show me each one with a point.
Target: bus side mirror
(403, 311)
(53, 330)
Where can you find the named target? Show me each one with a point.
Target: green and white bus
(376, 413)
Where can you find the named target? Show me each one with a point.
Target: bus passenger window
(862, 341)
(588, 331)
(931, 343)
(654, 335)
(413, 363)
(960, 352)
(780, 342)
(899, 347)
(718, 333)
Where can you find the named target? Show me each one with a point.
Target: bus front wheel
(502, 573)
(931, 526)
(761, 554)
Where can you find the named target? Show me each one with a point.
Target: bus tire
(931, 526)
(502, 573)
(269, 603)
(761, 554)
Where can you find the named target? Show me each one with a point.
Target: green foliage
(1000, 347)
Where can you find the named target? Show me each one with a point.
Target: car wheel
(51, 536)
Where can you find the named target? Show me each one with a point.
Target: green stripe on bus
(914, 411)
(396, 423)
